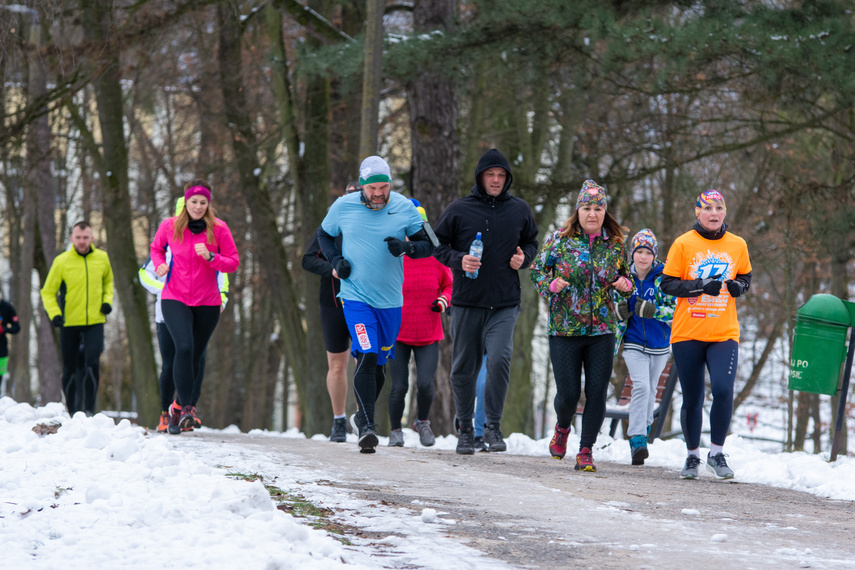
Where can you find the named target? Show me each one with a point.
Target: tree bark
(267, 236)
(372, 79)
(435, 174)
(117, 213)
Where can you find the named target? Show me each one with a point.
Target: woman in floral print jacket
(577, 269)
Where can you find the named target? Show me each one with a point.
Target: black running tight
(427, 358)
(368, 381)
(569, 355)
(190, 329)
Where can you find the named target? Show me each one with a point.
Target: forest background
(109, 107)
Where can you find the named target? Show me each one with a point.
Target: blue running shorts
(372, 330)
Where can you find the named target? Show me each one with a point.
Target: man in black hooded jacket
(485, 308)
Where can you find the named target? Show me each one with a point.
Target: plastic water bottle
(476, 249)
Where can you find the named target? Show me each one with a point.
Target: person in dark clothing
(486, 308)
(8, 325)
(333, 326)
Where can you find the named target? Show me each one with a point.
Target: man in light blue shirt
(378, 228)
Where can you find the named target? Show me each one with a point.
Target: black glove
(735, 287)
(57, 321)
(623, 310)
(645, 309)
(439, 305)
(342, 267)
(712, 286)
(106, 308)
(399, 247)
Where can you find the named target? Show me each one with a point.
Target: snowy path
(535, 512)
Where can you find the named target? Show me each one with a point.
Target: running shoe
(585, 460)
(717, 464)
(163, 425)
(396, 438)
(186, 419)
(558, 445)
(368, 440)
(690, 469)
(638, 449)
(479, 443)
(466, 440)
(339, 430)
(493, 438)
(426, 436)
(174, 419)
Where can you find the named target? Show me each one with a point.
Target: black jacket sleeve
(683, 287)
(745, 278)
(444, 230)
(314, 260)
(422, 245)
(528, 240)
(328, 247)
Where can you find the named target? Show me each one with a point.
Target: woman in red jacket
(427, 289)
(202, 246)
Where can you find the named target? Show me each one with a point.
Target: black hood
(491, 159)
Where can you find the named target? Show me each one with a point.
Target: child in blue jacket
(646, 333)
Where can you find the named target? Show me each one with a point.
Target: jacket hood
(491, 159)
(655, 269)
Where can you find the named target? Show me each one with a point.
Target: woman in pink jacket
(202, 246)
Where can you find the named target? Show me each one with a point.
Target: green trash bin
(819, 345)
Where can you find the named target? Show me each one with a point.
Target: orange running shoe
(164, 422)
(197, 423)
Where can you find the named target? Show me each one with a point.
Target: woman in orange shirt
(707, 268)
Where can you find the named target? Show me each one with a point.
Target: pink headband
(197, 191)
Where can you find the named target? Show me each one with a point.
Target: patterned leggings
(569, 355)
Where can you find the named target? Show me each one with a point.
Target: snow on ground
(102, 495)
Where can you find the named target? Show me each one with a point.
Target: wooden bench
(664, 392)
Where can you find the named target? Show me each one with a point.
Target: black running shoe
(339, 430)
(466, 441)
(368, 440)
(493, 438)
(479, 443)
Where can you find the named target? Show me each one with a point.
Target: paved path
(534, 512)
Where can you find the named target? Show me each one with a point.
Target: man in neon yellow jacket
(82, 278)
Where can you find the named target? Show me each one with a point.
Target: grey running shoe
(466, 441)
(690, 470)
(339, 430)
(717, 464)
(426, 436)
(479, 443)
(396, 438)
(493, 438)
(368, 440)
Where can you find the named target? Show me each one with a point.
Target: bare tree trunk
(267, 236)
(49, 364)
(435, 174)
(117, 210)
(372, 79)
(774, 334)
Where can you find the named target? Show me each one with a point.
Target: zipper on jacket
(590, 284)
(86, 271)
